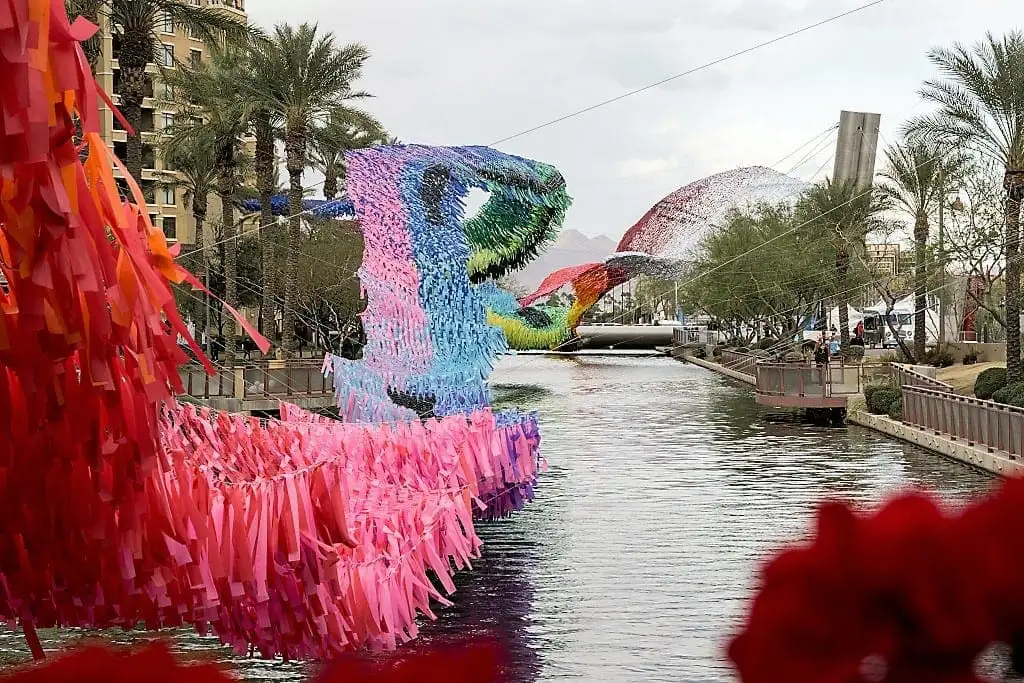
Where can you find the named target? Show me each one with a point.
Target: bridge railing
(994, 426)
(739, 362)
(908, 377)
(255, 381)
(807, 381)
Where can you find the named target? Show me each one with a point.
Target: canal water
(667, 489)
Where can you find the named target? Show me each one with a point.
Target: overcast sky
(458, 72)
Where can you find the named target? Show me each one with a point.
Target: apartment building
(165, 201)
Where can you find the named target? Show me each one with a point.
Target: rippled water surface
(668, 486)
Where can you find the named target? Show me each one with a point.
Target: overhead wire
(650, 86)
(707, 65)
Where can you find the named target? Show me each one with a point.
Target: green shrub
(742, 349)
(1011, 395)
(938, 357)
(882, 399)
(970, 358)
(717, 352)
(885, 383)
(989, 382)
(896, 407)
(767, 344)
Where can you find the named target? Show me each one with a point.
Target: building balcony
(236, 7)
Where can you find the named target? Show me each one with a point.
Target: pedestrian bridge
(260, 386)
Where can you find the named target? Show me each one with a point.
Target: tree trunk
(1014, 182)
(920, 285)
(330, 183)
(295, 153)
(264, 162)
(199, 214)
(227, 197)
(135, 54)
(842, 270)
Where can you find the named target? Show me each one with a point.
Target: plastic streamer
(88, 327)
(294, 537)
(302, 537)
(429, 346)
(659, 245)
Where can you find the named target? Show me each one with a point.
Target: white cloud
(642, 167)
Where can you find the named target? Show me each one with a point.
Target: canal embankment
(935, 417)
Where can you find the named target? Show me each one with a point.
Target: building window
(168, 23)
(194, 57)
(168, 91)
(168, 121)
(168, 195)
(171, 227)
(168, 55)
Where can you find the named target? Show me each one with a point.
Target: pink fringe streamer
(301, 537)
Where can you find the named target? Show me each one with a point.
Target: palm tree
(192, 160)
(843, 217)
(980, 98)
(346, 129)
(917, 174)
(266, 180)
(133, 23)
(309, 79)
(90, 10)
(214, 111)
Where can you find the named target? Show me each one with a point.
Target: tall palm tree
(265, 159)
(917, 174)
(133, 23)
(345, 130)
(843, 217)
(980, 97)
(310, 78)
(214, 110)
(191, 157)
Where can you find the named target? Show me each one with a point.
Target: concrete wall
(988, 353)
(975, 456)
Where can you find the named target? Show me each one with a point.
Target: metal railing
(994, 426)
(911, 378)
(739, 362)
(297, 378)
(808, 381)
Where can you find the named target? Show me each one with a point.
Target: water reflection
(667, 489)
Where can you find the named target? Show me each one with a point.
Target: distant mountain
(570, 249)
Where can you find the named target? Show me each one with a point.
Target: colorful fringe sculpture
(294, 537)
(429, 345)
(659, 245)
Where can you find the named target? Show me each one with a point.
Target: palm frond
(980, 98)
